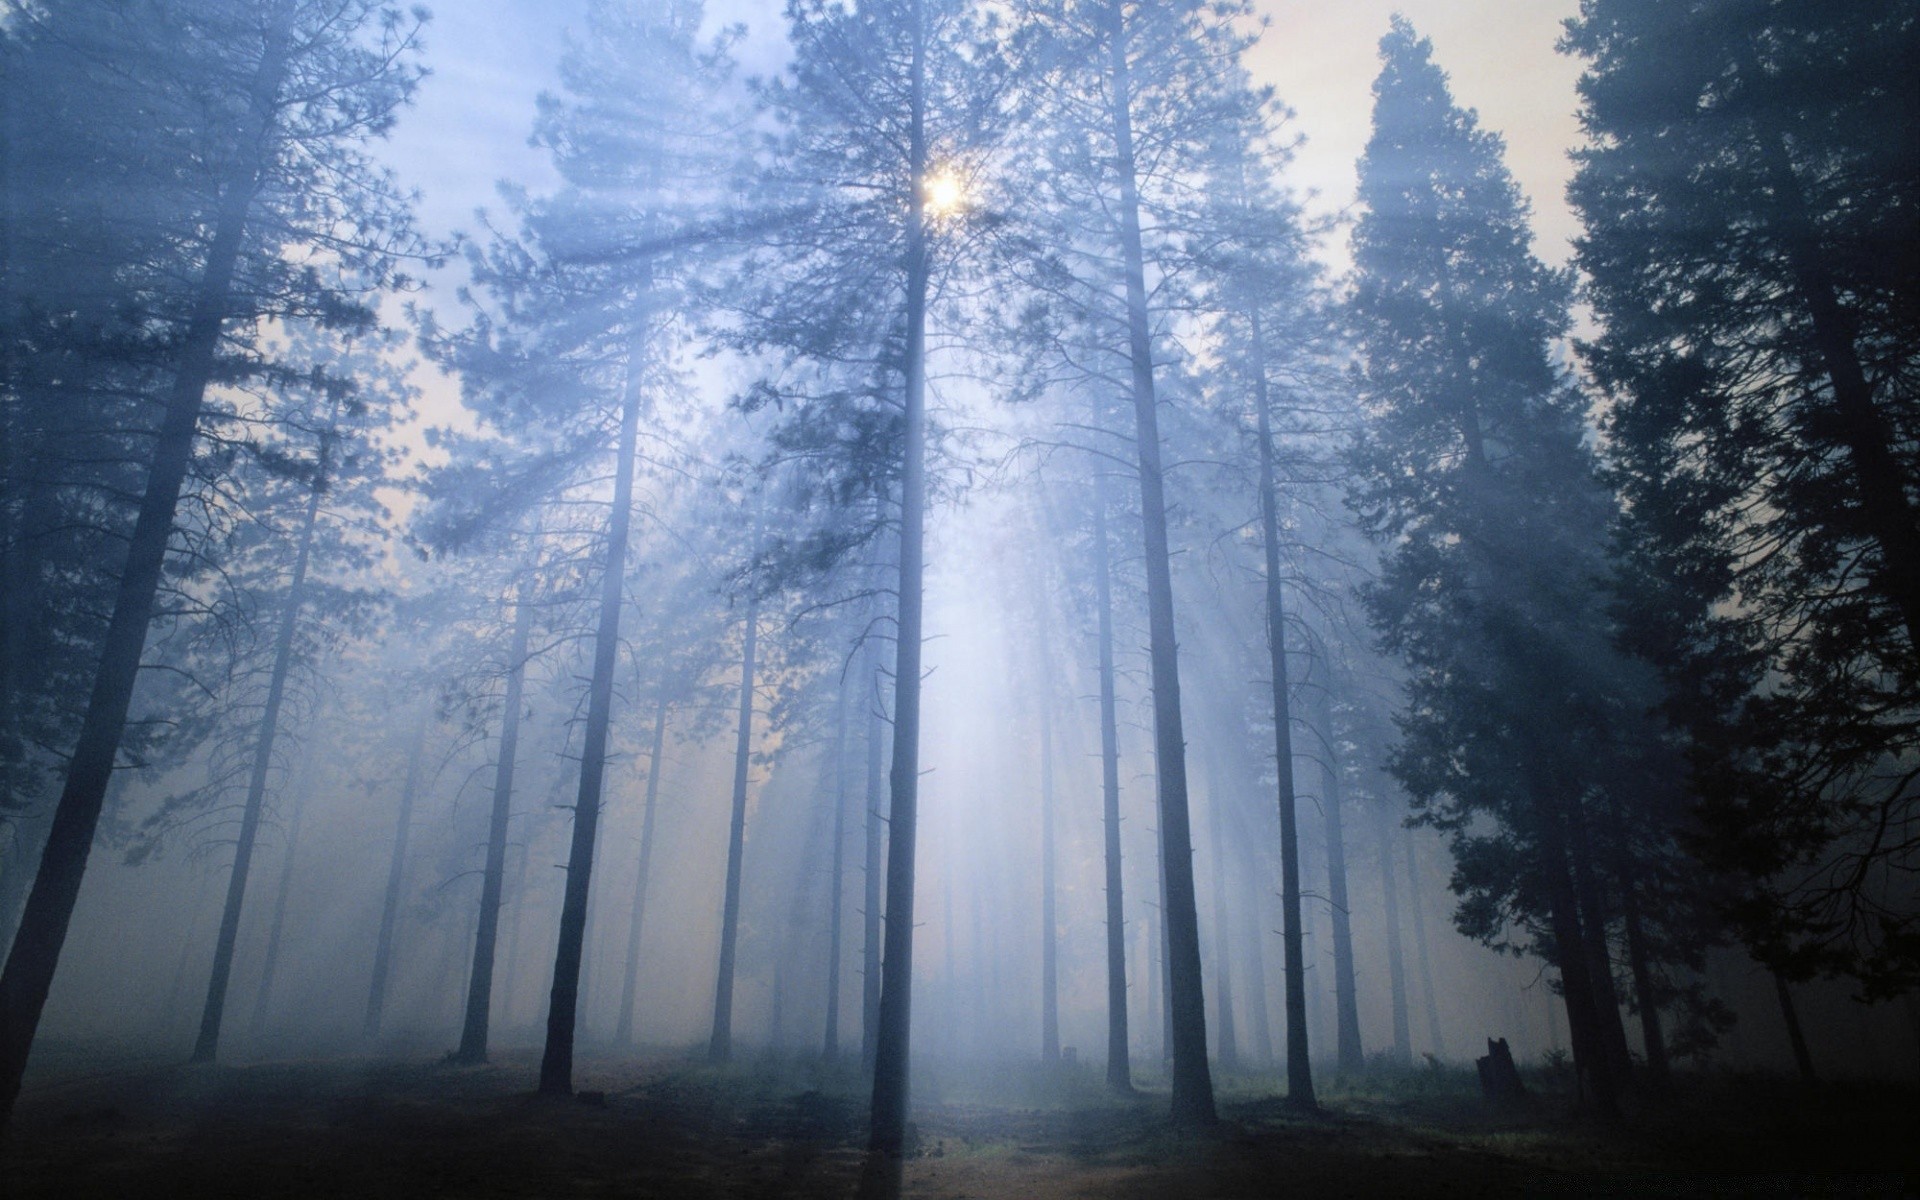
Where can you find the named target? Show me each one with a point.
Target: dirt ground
(668, 1126)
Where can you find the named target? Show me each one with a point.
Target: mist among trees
(906, 609)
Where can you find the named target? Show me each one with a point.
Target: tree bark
(257, 1024)
(1299, 1068)
(889, 1111)
(1796, 1036)
(1396, 957)
(1226, 1037)
(830, 1043)
(1594, 919)
(873, 863)
(1351, 1057)
(37, 943)
(1420, 946)
(720, 1044)
(210, 1018)
(486, 935)
(1192, 1099)
(1119, 1067)
(396, 875)
(1049, 915)
(556, 1061)
(1591, 1061)
(1639, 961)
(629, 985)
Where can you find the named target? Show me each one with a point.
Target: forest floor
(89, 1125)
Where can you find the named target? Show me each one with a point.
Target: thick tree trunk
(1299, 1068)
(1119, 1067)
(35, 952)
(1594, 919)
(210, 1018)
(1590, 1058)
(1420, 947)
(636, 924)
(889, 1110)
(873, 862)
(837, 788)
(1352, 1057)
(486, 934)
(720, 1044)
(556, 1061)
(1192, 1076)
(1639, 961)
(1796, 1036)
(396, 876)
(257, 1024)
(1396, 957)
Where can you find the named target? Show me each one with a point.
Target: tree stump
(1499, 1078)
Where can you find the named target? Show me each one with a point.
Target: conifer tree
(276, 211)
(1472, 470)
(1749, 188)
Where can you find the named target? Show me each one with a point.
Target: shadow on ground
(669, 1126)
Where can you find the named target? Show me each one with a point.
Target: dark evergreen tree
(1750, 185)
(276, 212)
(1474, 472)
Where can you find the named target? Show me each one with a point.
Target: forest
(907, 606)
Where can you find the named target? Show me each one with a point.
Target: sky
(491, 58)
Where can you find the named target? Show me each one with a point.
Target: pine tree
(1749, 189)
(882, 114)
(1472, 469)
(588, 301)
(245, 226)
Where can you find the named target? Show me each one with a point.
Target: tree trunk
(1255, 949)
(720, 1044)
(1352, 1057)
(257, 1024)
(629, 986)
(1049, 916)
(209, 1041)
(35, 952)
(1877, 474)
(872, 865)
(1646, 992)
(556, 1060)
(1192, 1076)
(1594, 919)
(1226, 1037)
(1119, 1067)
(889, 1111)
(830, 1043)
(1796, 1036)
(1299, 1068)
(474, 1030)
(1396, 957)
(396, 875)
(1590, 1058)
(1420, 947)
(512, 964)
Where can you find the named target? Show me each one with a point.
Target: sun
(944, 193)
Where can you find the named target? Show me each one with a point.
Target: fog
(843, 580)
